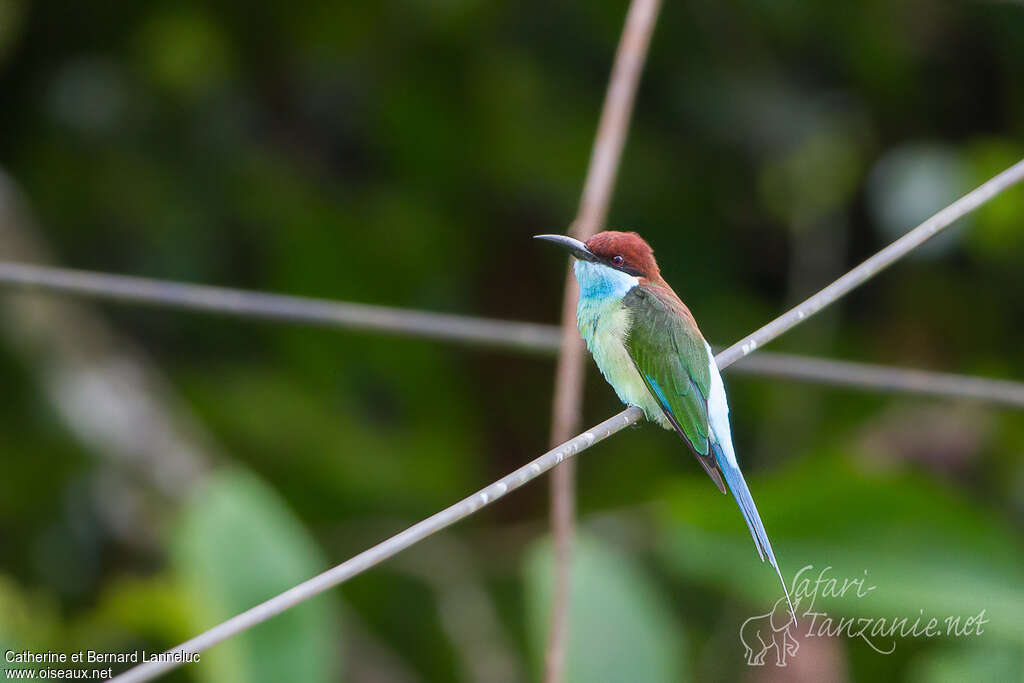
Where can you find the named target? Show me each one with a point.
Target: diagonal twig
(871, 267)
(532, 470)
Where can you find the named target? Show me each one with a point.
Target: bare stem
(569, 376)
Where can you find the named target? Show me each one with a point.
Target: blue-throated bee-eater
(649, 348)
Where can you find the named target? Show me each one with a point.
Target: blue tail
(738, 486)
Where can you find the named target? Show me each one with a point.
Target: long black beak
(573, 246)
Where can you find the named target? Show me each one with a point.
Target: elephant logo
(766, 631)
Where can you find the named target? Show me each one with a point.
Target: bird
(647, 345)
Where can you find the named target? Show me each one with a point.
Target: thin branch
(867, 270)
(499, 334)
(386, 549)
(569, 375)
(284, 308)
(882, 378)
(532, 470)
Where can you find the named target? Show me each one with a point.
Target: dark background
(403, 153)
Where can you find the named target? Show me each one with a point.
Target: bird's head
(623, 251)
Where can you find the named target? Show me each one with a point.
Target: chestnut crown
(625, 251)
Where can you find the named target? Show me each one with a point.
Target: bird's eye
(617, 260)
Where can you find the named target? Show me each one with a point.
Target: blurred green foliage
(232, 525)
(402, 153)
(621, 629)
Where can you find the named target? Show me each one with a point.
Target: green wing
(668, 351)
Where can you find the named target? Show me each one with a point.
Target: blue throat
(601, 283)
(601, 292)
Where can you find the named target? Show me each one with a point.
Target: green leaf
(928, 551)
(238, 545)
(621, 627)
